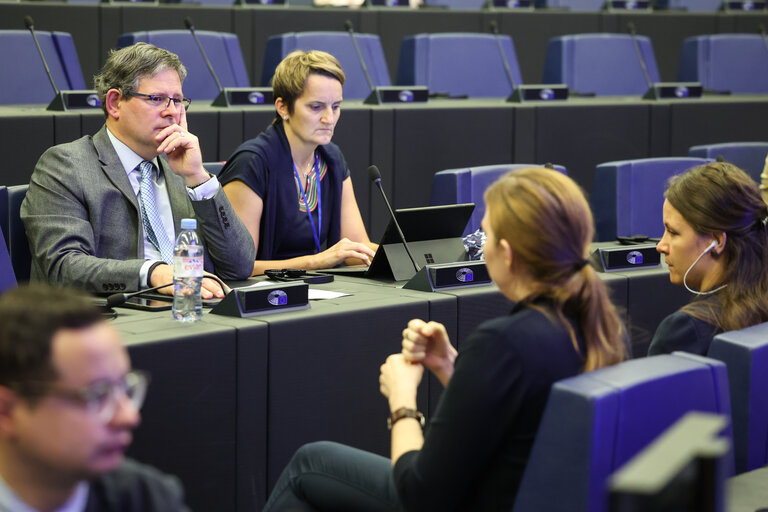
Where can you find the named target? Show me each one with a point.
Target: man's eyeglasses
(161, 101)
(100, 398)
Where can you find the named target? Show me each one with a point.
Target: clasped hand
(424, 345)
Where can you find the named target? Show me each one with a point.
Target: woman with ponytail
(472, 457)
(715, 244)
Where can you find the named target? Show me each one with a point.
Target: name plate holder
(625, 257)
(674, 91)
(539, 92)
(263, 300)
(74, 100)
(446, 276)
(243, 96)
(397, 94)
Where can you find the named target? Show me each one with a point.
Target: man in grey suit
(102, 212)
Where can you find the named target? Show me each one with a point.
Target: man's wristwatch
(404, 412)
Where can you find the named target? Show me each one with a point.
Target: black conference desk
(409, 143)
(232, 399)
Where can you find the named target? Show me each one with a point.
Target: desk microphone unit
(229, 96)
(522, 93)
(63, 100)
(519, 5)
(389, 93)
(449, 276)
(743, 5)
(614, 258)
(262, 300)
(663, 90)
(627, 5)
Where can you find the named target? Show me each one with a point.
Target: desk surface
(232, 399)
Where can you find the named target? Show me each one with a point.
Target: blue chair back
(24, 79)
(340, 45)
(468, 184)
(690, 5)
(214, 167)
(726, 62)
(223, 50)
(572, 5)
(747, 156)
(600, 64)
(18, 246)
(745, 353)
(7, 275)
(458, 64)
(628, 195)
(595, 422)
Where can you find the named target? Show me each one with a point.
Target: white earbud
(711, 246)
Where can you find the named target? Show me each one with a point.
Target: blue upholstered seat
(747, 156)
(600, 64)
(745, 353)
(214, 167)
(726, 62)
(597, 421)
(628, 195)
(223, 50)
(7, 275)
(340, 45)
(468, 184)
(18, 246)
(24, 79)
(458, 64)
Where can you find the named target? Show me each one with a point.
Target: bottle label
(187, 266)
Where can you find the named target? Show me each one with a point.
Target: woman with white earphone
(715, 244)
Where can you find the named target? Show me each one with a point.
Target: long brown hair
(546, 220)
(720, 197)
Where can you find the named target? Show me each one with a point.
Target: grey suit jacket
(84, 229)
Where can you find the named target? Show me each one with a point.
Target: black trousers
(325, 476)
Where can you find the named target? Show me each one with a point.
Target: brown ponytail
(546, 220)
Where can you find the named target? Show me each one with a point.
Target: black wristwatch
(404, 412)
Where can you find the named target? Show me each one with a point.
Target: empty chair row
(626, 196)
(457, 64)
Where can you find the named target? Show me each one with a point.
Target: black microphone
(495, 30)
(30, 24)
(118, 299)
(631, 27)
(348, 27)
(375, 176)
(191, 28)
(761, 27)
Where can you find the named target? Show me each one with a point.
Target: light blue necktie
(153, 224)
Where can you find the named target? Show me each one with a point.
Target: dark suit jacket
(134, 487)
(83, 224)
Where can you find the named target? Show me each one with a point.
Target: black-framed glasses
(100, 397)
(162, 101)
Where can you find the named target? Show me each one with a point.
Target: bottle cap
(188, 223)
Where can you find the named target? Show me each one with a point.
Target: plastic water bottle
(187, 274)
